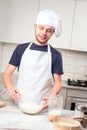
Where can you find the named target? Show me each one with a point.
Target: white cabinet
(17, 18)
(21, 19)
(79, 34)
(65, 8)
(4, 15)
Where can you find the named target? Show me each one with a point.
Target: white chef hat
(49, 17)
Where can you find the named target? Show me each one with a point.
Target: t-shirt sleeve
(17, 54)
(15, 58)
(57, 65)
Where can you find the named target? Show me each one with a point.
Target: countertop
(11, 118)
(65, 85)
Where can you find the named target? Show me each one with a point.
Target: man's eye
(41, 27)
(49, 30)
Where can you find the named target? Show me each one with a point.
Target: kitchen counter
(11, 118)
(65, 85)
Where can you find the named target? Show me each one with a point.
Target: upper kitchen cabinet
(79, 32)
(19, 18)
(65, 8)
(4, 15)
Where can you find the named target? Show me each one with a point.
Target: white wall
(75, 64)
(6, 50)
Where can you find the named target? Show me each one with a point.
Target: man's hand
(46, 100)
(13, 93)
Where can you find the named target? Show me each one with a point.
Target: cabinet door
(79, 35)
(21, 19)
(4, 7)
(65, 8)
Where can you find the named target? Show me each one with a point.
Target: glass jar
(55, 107)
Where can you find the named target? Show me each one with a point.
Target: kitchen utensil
(82, 120)
(55, 107)
(29, 107)
(80, 108)
(81, 114)
(62, 123)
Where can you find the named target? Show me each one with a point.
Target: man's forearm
(56, 89)
(7, 80)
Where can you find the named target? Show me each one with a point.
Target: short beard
(41, 43)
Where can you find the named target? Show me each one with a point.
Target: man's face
(43, 33)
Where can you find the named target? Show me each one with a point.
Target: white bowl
(30, 108)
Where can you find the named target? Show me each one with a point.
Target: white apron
(35, 78)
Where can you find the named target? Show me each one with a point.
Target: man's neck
(38, 43)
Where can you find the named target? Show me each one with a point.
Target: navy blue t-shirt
(57, 66)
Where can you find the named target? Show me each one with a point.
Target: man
(39, 64)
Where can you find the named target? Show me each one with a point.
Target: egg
(52, 118)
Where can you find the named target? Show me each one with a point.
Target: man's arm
(55, 90)
(7, 80)
(57, 84)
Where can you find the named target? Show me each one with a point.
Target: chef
(39, 64)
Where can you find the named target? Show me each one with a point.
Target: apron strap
(49, 52)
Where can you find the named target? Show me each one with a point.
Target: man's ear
(35, 25)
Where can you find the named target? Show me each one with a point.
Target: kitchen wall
(74, 62)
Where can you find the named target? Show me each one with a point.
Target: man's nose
(44, 31)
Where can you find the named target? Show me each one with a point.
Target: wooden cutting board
(2, 103)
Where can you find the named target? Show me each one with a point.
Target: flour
(66, 124)
(30, 108)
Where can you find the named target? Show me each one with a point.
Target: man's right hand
(13, 93)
